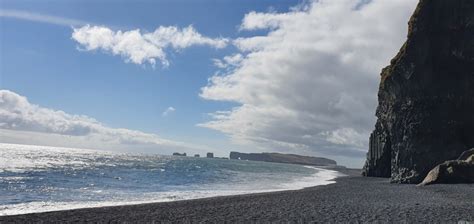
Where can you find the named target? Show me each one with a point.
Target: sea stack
(425, 114)
(179, 154)
(210, 155)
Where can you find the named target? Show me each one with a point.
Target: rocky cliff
(426, 95)
(283, 158)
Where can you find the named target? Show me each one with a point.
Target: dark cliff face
(426, 95)
(283, 158)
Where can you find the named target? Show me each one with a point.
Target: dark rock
(466, 154)
(210, 155)
(197, 155)
(453, 171)
(179, 154)
(378, 156)
(426, 95)
(283, 158)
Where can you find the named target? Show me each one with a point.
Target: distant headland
(272, 157)
(283, 158)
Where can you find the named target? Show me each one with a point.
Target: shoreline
(40, 207)
(351, 198)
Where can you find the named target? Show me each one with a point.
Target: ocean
(41, 178)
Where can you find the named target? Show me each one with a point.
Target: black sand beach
(353, 199)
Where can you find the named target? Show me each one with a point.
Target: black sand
(352, 199)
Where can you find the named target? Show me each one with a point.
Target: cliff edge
(425, 114)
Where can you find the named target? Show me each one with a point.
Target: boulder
(453, 171)
(466, 154)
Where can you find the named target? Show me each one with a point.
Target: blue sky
(283, 94)
(40, 61)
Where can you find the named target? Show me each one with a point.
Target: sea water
(41, 178)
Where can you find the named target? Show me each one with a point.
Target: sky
(197, 76)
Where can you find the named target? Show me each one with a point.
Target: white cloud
(142, 47)
(228, 61)
(309, 84)
(168, 111)
(256, 21)
(23, 122)
(346, 136)
(36, 17)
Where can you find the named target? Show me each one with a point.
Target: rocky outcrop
(210, 155)
(378, 156)
(467, 155)
(426, 95)
(453, 171)
(179, 154)
(283, 158)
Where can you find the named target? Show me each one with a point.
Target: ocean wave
(41, 179)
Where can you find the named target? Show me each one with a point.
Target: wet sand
(353, 199)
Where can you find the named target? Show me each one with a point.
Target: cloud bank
(310, 83)
(18, 116)
(142, 47)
